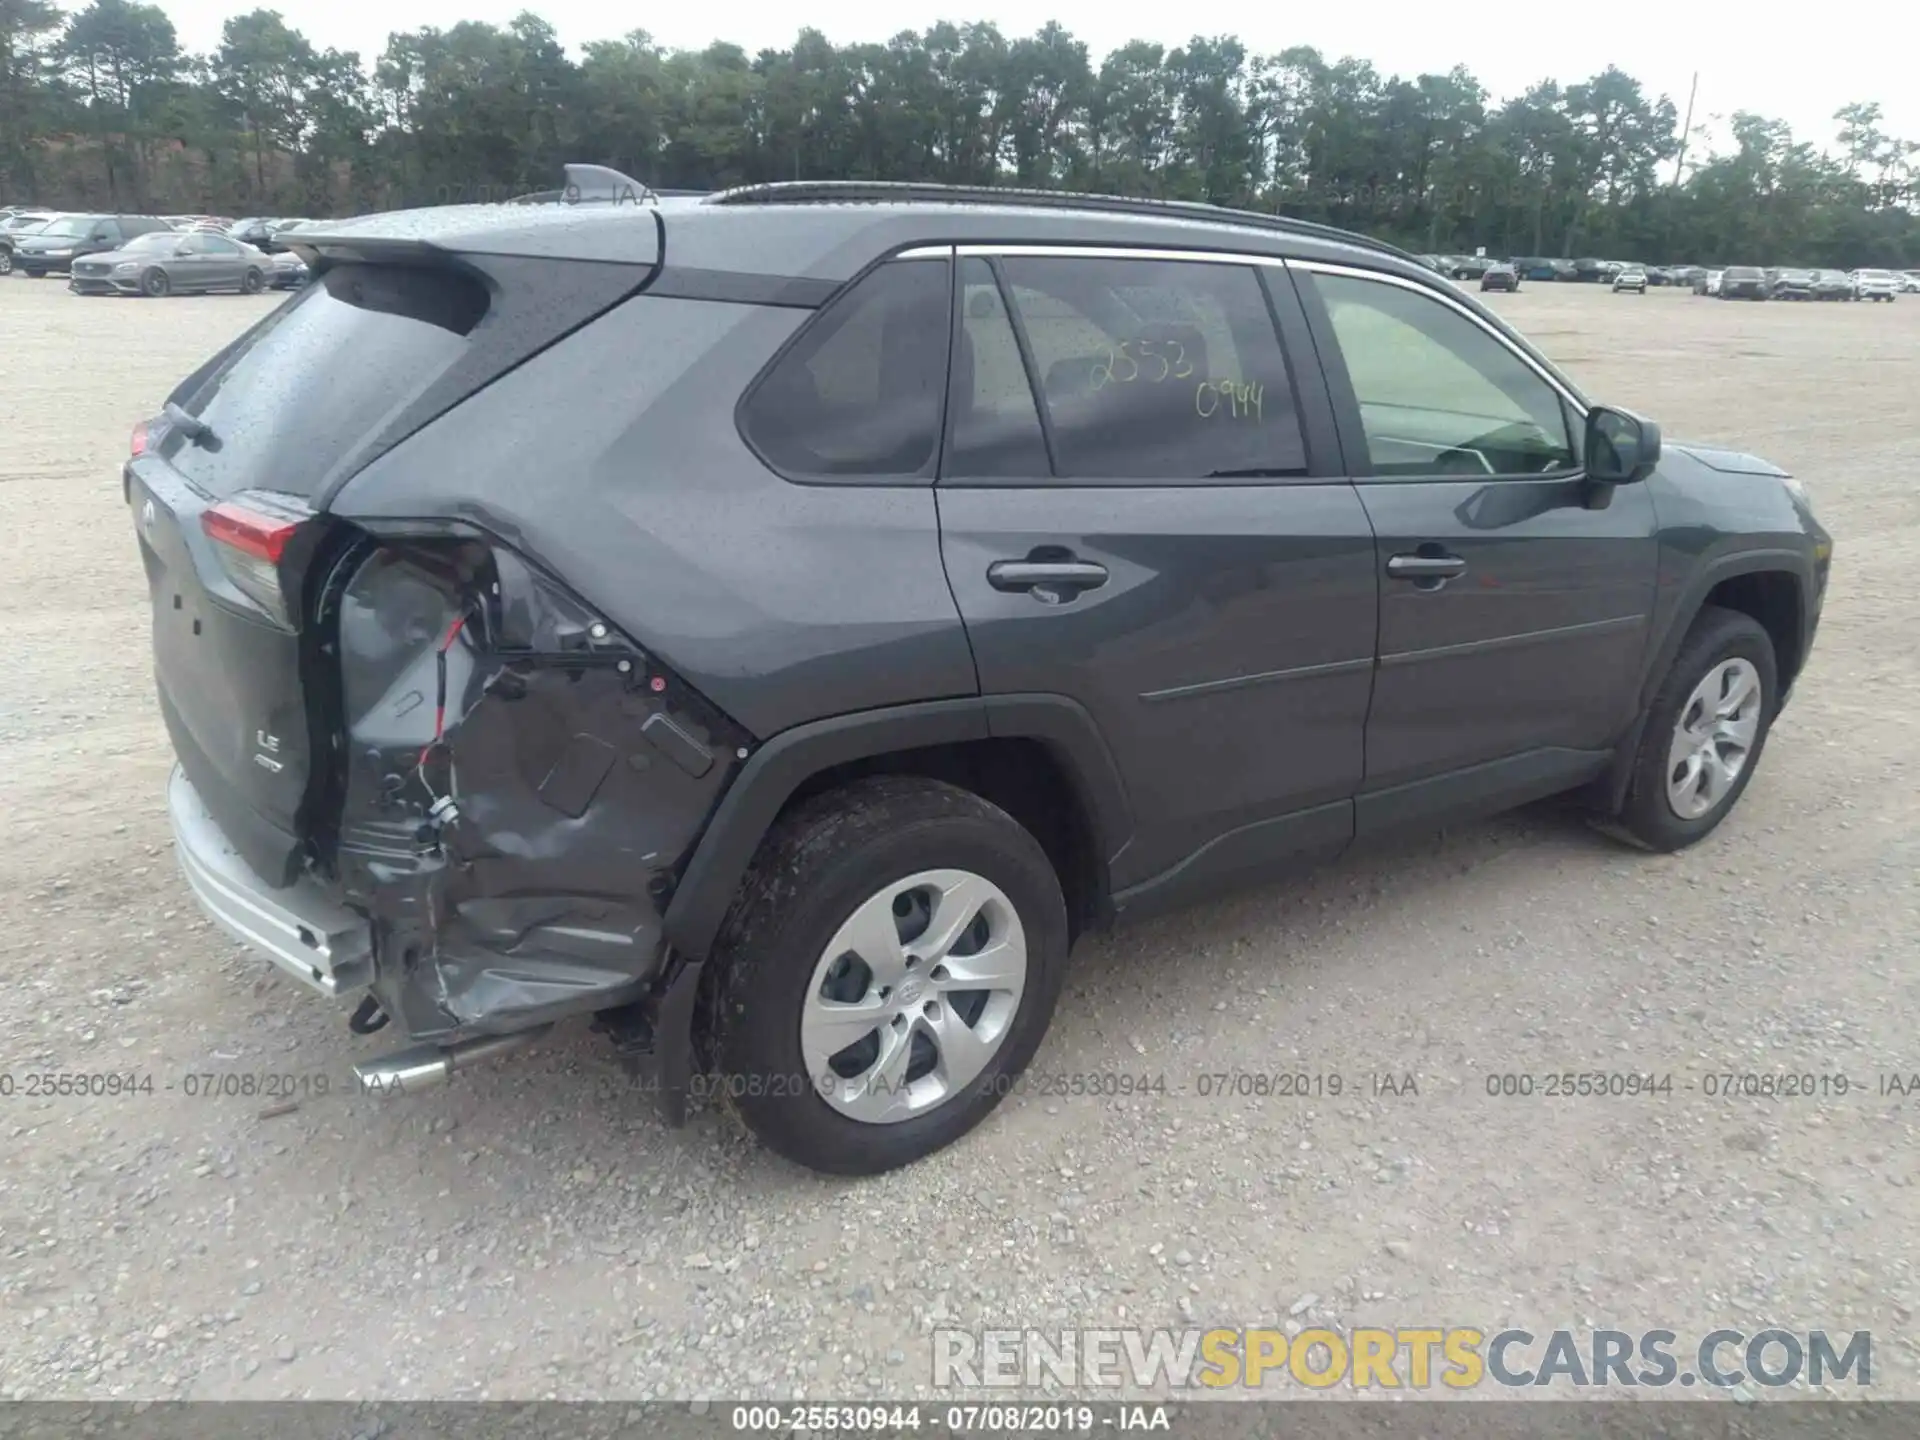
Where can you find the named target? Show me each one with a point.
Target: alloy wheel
(913, 996)
(1713, 738)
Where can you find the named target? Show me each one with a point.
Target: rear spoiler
(548, 225)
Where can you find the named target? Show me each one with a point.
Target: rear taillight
(139, 445)
(251, 535)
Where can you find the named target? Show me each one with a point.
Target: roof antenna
(600, 185)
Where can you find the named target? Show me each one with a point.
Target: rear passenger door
(1166, 539)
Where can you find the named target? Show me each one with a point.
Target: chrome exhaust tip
(422, 1067)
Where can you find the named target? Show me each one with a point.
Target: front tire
(890, 966)
(1704, 732)
(155, 284)
(252, 283)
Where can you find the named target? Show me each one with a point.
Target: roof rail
(882, 192)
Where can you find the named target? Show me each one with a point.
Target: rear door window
(1156, 369)
(858, 395)
(993, 426)
(324, 373)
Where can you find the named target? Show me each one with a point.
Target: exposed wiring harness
(441, 807)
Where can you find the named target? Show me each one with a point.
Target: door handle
(1035, 575)
(1426, 567)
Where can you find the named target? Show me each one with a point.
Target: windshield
(69, 229)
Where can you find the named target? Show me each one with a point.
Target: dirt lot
(533, 1231)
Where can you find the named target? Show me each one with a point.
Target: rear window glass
(859, 393)
(323, 374)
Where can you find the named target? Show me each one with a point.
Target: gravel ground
(532, 1231)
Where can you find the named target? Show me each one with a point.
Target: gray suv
(776, 623)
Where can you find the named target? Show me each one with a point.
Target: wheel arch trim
(1796, 564)
(786, 761)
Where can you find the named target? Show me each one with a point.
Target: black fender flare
(1666, 644)
(789, 759)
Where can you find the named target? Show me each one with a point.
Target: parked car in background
(1500, 276)
(1910, 282)
(16, 225)
(194, 262)
(1875, 285)
(1744, 282)
(1634, 279)
(286, 271)
(259, 232)
(1832, 285)
(282, 235)
(115, 272)
(1792, 283)
(56, 245)
(1536, 267)
(836, 857)
(1707, 282)
(1590, 270)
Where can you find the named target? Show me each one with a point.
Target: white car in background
(1910, 281)
(1876, 285)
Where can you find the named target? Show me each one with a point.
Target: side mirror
(1622, 448)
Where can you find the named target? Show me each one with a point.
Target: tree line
(102, 108)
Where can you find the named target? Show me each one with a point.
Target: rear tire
(155, 284)
(793, 956)
(1675, 796)
(6, 262)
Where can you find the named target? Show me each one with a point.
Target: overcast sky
(1748, 58)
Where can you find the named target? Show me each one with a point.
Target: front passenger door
(1513, 615)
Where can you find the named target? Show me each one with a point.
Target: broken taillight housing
(251, 533)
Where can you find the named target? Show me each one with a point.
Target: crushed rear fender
(515, 789)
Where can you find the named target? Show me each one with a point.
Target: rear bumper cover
(301, 929)
(328, 948)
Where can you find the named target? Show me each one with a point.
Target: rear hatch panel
(228, 676)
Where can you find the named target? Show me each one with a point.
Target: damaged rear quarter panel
(520, 784)
(613, 460)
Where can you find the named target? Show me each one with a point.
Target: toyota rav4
(777, 623)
